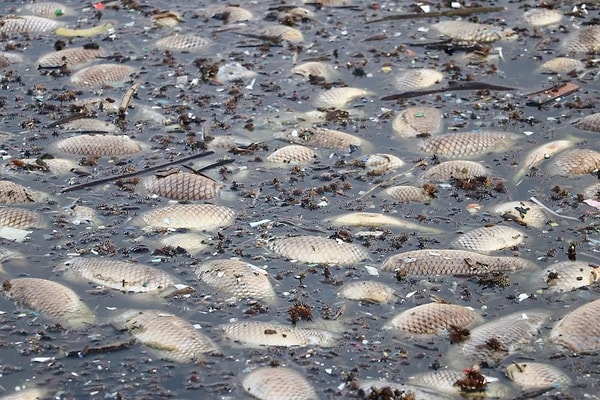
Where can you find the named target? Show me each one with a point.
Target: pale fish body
(316, 69)
(292, 154)
(378, 220)
(23, 24)
(260, 334)
(444, 380)
(536, 156)
(11, 192)
(565, 276)
(280, 383)
(467, 144)
(53, 300)
(451, 262)
(237, 278)
(181, 186)
(508, 333)
(98, 145)
(417, 78)
(574, 162)
(489, 239)
(407, 390)
(234, 72)
(561, 65)
(379, 163)
(524, 212)
(187, 43)
(539, 17)
(71, 57)
(465, 31)
(579, 330)
(192, 242)
(321, 137)
(592, 192)
(173, 338)
(530, 375)
(89, 125)
(49, 9)
(406, 194)
(20, 218)
(318, 250)
(103, 75)
(283, 32)
(230, 14)
(368, 291)
(583, 40)
(119, 275)
(27, 394)
(340, 97)
(590, 123)
(415, 121)
(458, 169)
(199, 217)
(433, 319)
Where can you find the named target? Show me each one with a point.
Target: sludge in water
(318, 250)
(280, 383)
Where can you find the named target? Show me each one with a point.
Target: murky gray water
(32, 350)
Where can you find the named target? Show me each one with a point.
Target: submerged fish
(583, 40)
(318, 250)
(457, 169)
(489, 239)
(180, 185)
(565, 276)
(433, 319)
(369, 291)
(71, 57)
(260, 334)
(315, 69)
(90, 125)
(417, 78)
(200, 217)
(531, 375)
(579, 330)
(560, 65)
(378, 220)
(415, 121)
(321, 137)
(281, 383)
(98, 145)
(49, 9)
(103, 75)
(542, 16)
(173, 338)
(340, 97)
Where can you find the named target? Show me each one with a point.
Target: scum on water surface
(234, 91)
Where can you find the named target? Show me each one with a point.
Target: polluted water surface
(251, 200)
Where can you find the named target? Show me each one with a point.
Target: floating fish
(451, 262)
(561, 65)
(90, 125)
(406, 194)
(579, 329)
(433, 319)
(71, 58)
(27, 394)
(489, 239)
(192, 242)
(292, 154)
(173, 338)
(53, 300)
(539, 17)
(530, 375)
(234, 72)
(525, 213)
(445, 380)
(23, 24)
(590, 123)
(379, 163)
(103, 75)
(315, 69)
(200, 217)
(340, 97)
(280, 383)
(536, 156)
(20, 218)
(321, 137)
(583, 40)
(318, 250)
(260, 334)
(406, 390)
(283, 32)
(457, 169)
(11, 192)
(185, 43)
(49, 9)
(467, 144)
(230, 14)
(415, 121)
(378, 220)
(417, 78)
(464, 31)
(98, 145)
(181, 186)
(368, 291)
(565, 276)
(574, 162)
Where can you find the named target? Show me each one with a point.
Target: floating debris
(530, 375)
(368, 291)
(199, 217)
(402, 391)
(260, 334)
(579, 329)
(318, 250)
(103, 75)
(94, 31)
(278, 383)
(433, 319)
(489, 239)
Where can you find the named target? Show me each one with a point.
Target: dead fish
(417, 78)
(407, 391)
(49, 9)
(292, 154)
(53, 300)
(433, 319)
(315, 69)
(192, 242)
(378, 220)
(368, 291)
(20, 24)
(340, 97)
(539, 17)
(283, 32)
(407, 194)
(173, 338)
(230, 14)
(181, 186)
(445, 380)
(561, 65)
(119, 275)
(11, 192)
(592, 192)
(457, 169)
(467, 144)
(579, 329)
(318, 250)
(103, 75)
(185, 43)
(98, 145)
(531, 375)
(524, 212)
(451, 262)
(260, 334)
(200, 217)
(237, 278)
(27, 394)
(583, 40)
(494, 340)
(20, 218)
(415, 121)
(71, 58)
(234, 72)
(379, 163)
(56, 166)
(565, 276)
(464, 31)
(8, 59)
(488, 239)
(574, 162)
(590, 123)
(280, 383)
(536, 156)
(78, 214)
(321, 137)
(90, 125)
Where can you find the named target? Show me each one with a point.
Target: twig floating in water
(127, 99)
(447, 13)
(103, 349)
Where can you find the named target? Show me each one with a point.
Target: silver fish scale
(260, 334)
(466, 144)
(183, 43)
(188, 216)
(314, 68)
(320, 137)
(417, 121)
(589, 123)
(579, 330)
(71, 57)
(451, 262)
(468, 31)
(102, 75)
(489, 239)
(318, 250)
(120, 275)
(405, 194)
(11, 192)
(292, 154)
(283, 383)
(584, 40)
(182, 186)
(509, 331)
(49, 298)
(237, 278)
(20, 218)
(99, 145)
(16, 24)
(432, 319)
(537, 375)
(458, 169)
(574, 162)
(173, 337)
